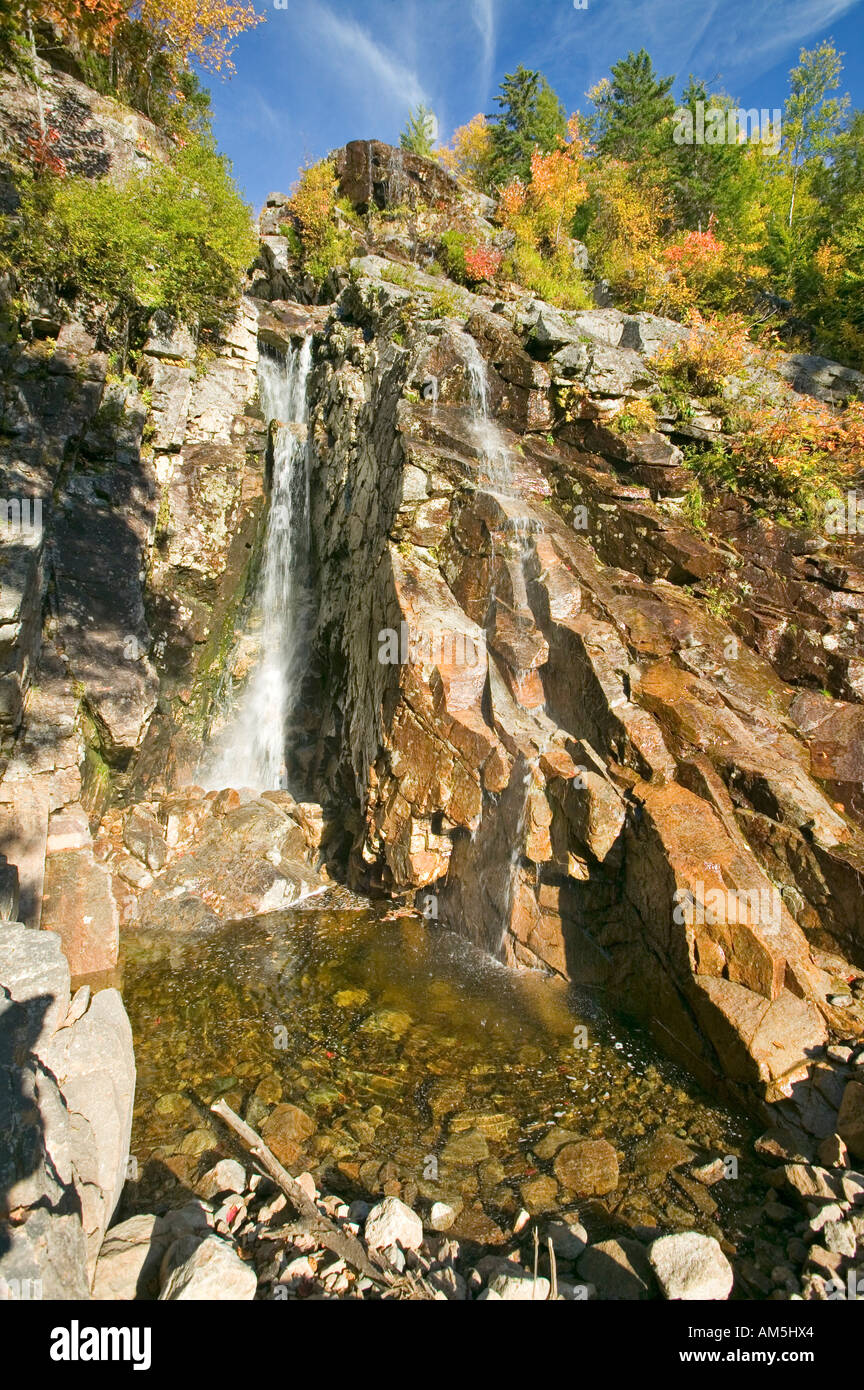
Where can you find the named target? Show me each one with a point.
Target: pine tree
(531, 115)
(710, 180)
(632, 111)
(419, 132)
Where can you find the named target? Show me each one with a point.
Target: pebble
(442, 1216)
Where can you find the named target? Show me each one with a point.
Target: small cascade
(489, 438)
(249, 750)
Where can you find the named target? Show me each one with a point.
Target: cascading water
(489, 439)
(250, 749)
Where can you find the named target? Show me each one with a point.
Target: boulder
(691, 1267)
(130, 1257)
(212, 1272)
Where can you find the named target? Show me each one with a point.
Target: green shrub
(321, 245)
(177, 238)
(552, 277)
(451, 253)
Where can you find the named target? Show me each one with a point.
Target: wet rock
(465, 1149)
(539, 1194)
(391, 1222)
(691, 1267)
(589, 1168)
(285, 1131)
(554, 1139)
(660, 1153)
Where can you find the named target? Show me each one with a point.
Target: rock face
(146, 541)
(553, 743)
(98, 137)
(67, 1082)
(523, 706)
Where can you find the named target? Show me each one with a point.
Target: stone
(555, 1139)
(660, 1153)
(539, 1194)
(520, 1287)
(441, 1216)
(833, 1153)
(839, 1237)
(569, 1238)
(129, 1259)
(211, 1272)
(619, 1270)
(852, 1186)
(589, 1168)
(285, 1131)
(225, 1176)
(690, 1267)
(812, 1183)
(143, 837)
(465, 1149)
(850, 1120)
(391, 1222)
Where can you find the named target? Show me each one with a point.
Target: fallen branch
(347, 1247)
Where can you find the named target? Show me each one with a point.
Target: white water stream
(249, 751)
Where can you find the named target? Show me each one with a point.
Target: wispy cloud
(483, 14)
(360, 57)
(740, 39)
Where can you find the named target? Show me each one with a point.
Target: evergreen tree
(632, 111)
(716, 181)
(419, 133)
(531, 114)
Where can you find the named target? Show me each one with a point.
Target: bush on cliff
(177, 238)
(317, 240)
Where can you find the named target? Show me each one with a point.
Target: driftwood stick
(347, 1247)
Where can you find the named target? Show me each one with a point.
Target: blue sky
(320, 72)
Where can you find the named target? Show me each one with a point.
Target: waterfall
(488, 437)
(250, 749)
